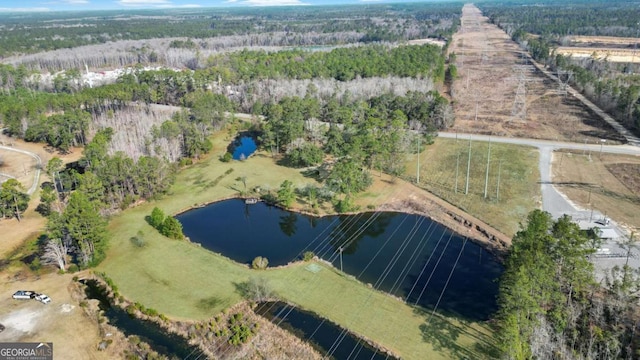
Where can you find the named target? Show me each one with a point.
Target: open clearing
(184, 281)
(584, 40)
(487, 83)
(600, 53)
(611, 183)
(18, 166)
(62, 322)
(514, 167)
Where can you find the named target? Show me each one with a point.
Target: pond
(320, 333)
(167, 344)
(243, 147)
(402, 254)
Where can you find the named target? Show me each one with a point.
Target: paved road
(594, 148)
(36, 175)
(556, 203)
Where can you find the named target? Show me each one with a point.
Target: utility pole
(476, 118)
(486, 178)
(457, 166)
(631, 245)
(498, 187)
(418, 166)
(340, 249)
(466, 187)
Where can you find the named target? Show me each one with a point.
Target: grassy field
(184, 281)
(608, 183)
(505, 207)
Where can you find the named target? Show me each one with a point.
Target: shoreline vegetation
(180, 280)
(196, 333)
(470, 227)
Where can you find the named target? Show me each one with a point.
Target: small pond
(323, 335)
(243, 147)
(167, 344)
(406, 255)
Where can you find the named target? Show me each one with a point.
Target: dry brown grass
(14, 232)
(611, 183)
(57, 322)
(20, 166)
(491, 83)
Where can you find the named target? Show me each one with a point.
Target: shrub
(157, 218)
(138, 240)
(227, 157)
(308, 255)
(260, 263)
(258, 289)
(172, 228)
(344, 205)
(73, 268)
(185, 162)
(150, 312)
(35, 264)
(131, 310)
(306, 155)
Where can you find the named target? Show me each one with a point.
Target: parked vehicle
(43, 298)
(24, 295)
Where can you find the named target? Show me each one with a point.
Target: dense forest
(350, 110)
(37, 32)
(614, 87)
(551, 306)
(556, 19)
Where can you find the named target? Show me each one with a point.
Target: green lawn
(515, 166)
(184, 281)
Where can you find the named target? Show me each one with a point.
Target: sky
(65, 5)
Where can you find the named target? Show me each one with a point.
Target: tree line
(556, 19)
(39, 32)
(551, 306)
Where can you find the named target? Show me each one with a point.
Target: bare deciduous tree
(55, 253)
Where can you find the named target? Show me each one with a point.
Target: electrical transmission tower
(519, 109)
(563, 81)
(484, 57)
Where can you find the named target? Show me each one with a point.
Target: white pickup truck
(43, 298)
(24, 295)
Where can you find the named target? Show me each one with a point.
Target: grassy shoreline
(184, 281)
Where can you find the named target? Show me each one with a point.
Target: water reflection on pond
(243, 147)
(407, 255)
(324, 336)
(167, 344)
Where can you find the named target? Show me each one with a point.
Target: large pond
(406, 255)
